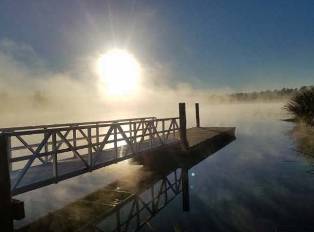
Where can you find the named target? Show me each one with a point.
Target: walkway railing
(42, 155)
(35, 156)
(50, 126)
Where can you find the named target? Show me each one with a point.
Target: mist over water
(260, 164)
(64, 62)
(257, 183)
(247, 186)
(32, 94)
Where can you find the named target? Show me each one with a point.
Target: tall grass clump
(301, 106)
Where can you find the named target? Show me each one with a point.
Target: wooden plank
(198, 135)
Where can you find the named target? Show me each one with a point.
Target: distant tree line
(39, 99)
(259, 96)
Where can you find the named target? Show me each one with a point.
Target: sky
(213, 44)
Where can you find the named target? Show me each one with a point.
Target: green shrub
(301, 106)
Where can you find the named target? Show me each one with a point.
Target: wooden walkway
(35, 156)
(41, 175)
(125, 206)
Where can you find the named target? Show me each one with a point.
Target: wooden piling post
(6, 218)
(197, 114)
(182, 118)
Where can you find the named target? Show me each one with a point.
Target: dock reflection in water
(138, 209)
(129, 205)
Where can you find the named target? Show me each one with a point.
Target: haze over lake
(141, 66)
(256, 176)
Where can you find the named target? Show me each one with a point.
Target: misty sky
(243, 44)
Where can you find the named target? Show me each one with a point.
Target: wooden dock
(125, 206)
(42, 156)
(36, 156)
(197, 136)
(41, 175)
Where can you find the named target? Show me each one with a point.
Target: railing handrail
(84, 126)
(48, 126)
(57, 152)
(32, 145)
(136, 136)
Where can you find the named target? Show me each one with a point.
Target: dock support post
(90, 149)
(115, 141)
(182, 117)
(74, 142)
(185, 189)
(54, 156)
(46, 147)
(9, 152)
(6, 219)
(197, 114)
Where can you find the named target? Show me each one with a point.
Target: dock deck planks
(198, 135)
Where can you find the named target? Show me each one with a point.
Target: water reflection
(129, 204)
(136, 211)
(260, 182)
(303, 137)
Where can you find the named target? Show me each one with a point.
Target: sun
(119, 71)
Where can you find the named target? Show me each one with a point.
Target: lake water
(259, 182)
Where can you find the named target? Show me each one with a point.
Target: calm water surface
(259, 182)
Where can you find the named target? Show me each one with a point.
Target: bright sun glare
(120, 72)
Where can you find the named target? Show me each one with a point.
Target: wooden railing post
(9, 152)
(182, 116)
(74, 141)
(134, 136)
(54, 156)
(46, 146)
(6, 218)
(115, 141)
(197, 114)
(97, 135)
(163, 131)
(90, 150)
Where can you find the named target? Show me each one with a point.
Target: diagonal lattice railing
(46, 154)
(138, 209)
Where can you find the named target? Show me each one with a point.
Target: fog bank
(30, 93)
